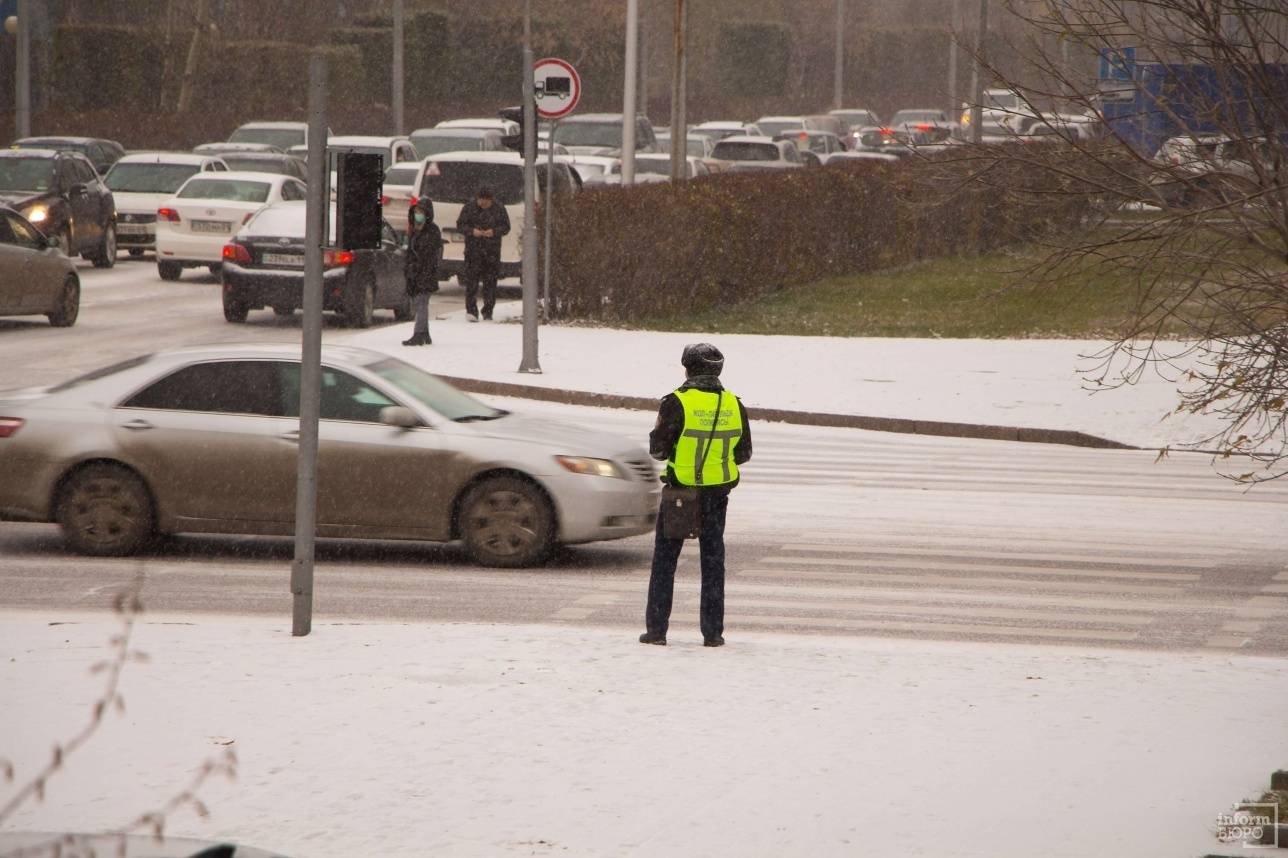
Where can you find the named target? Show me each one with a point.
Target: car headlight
(38, 215)
(593, 467)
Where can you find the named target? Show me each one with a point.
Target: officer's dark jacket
(424, 249)
(473, 217)
(670, 423)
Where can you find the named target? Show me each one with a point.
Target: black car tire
(507, 522)
(360, 307)
(68, 304)
(169, 270)
(403, 312)
(104, 256)
(105, 510)
(235, 311)
(283, 310)
(136, 251)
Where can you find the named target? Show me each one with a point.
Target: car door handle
(136, 424)
(293, 436)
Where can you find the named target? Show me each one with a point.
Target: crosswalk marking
(921, 551)
(876, 564)
(869, 575)
(735, 602)
(959, 629)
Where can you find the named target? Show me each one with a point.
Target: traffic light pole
(398, 76)
(22, 76)
(530, 363)
(548, 218)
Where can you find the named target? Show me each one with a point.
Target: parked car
(772, 126)
(101, 153)
(397, 192)
(862, 156)
(853, 118)
(202, 439)
(696, 145)
(504, 126)
(884, 140)
(194, 225)
(141, 182)
(264, 267)
(656, 167)
(1190, 167)
(452, 179)
(601, 134)
(394, 150)
(825, 122)
(757, 153)
(591, 169)
(226, 148)
(267, 162)
(36, 278)
(62, 194)
(282, 135)
(932, 122)
(436, 141)
(813, 143)
(718, 129)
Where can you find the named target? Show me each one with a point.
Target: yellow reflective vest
(717, 464)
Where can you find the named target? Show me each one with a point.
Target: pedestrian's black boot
(651, 638)
(417, 340)
(715, 641)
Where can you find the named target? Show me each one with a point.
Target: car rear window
(603, 134)
(259, 165)
(26, 174)
(745, 152)
(437, 144)
(282, 138)
(401, 175)
(236, 190)
(459, 181)
(149, 178)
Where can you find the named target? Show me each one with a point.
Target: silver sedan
(35, 277)
(205, 439)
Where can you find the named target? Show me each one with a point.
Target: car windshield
(401, 175)
(26, 174)
(237, 190)
(459, 181)
(437, 144)
(773, 129)
(434, 392)
(282, 138)
(149, 178)
(857, 118)
(603, 134)
(727, 151)
(259, 165)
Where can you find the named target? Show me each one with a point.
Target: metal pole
(628, 97)
(530, 363)
(306, 484)
(22, 77)
(977, 76)
(548, 218)
(644, 69)
(838, 77)
(399, 125)
(679, 132)
(954, 107)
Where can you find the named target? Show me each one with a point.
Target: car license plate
(212, 226)
(295, 260)
(132, 229)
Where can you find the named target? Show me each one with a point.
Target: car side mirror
(78, 189)
(399, 417)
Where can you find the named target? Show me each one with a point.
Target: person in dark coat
(482, 222)
(701, 421)
(424, 250)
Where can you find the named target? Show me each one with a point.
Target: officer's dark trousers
(666, 553)
(480, 271)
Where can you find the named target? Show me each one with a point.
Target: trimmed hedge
(272, 78)
(621, 254)
(754, 57)
(108, 64)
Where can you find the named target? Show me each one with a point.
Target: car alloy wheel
(106, 255)
(105, 510)
(68, 304)
(507, 521)
(363, 307)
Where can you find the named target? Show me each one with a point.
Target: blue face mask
(419, 217)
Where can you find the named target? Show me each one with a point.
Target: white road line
(735, 602)
(1275, 588)
(872, 576)
(1243, 626)
(1105, 559)
(687, 619)
(876, 565)
(1226, 641)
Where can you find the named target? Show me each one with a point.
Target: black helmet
(702, 359)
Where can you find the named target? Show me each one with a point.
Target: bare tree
(1179, 145)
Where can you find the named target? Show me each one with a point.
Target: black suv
(101, 153)
(63, 196)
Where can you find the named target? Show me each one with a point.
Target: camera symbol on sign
(555, 87)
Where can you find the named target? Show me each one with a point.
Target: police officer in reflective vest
(684, 437)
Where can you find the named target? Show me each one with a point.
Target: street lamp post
(530, 362)
(398, 77)
(22, 75)
(628, 96)
(838, 76)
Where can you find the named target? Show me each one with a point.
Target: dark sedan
(62, 195)
(101, 153)
(264, 267)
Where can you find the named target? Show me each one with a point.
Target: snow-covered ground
(474, 740)
(1026, 383)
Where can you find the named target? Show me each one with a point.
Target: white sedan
(194, 225)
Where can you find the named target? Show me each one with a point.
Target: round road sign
(558, 88)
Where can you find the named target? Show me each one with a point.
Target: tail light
(9, 426)
(923, 126)
(337, 258)
(168, 214)
(384, 200)
(236, 253)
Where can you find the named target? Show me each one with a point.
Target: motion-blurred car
(36, 279)
(601, 134)
(744, 154)
(436, 141)
(263, 266)
(194, 225)
(141, 182)
(267, 162)
(282, 135)
(204, 439)
(101, 153)
(64, 197)
(228, 148)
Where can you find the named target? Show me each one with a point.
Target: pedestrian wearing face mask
(424, 250)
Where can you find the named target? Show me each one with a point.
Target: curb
(801, 418)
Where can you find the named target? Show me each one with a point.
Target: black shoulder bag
(681, 506)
